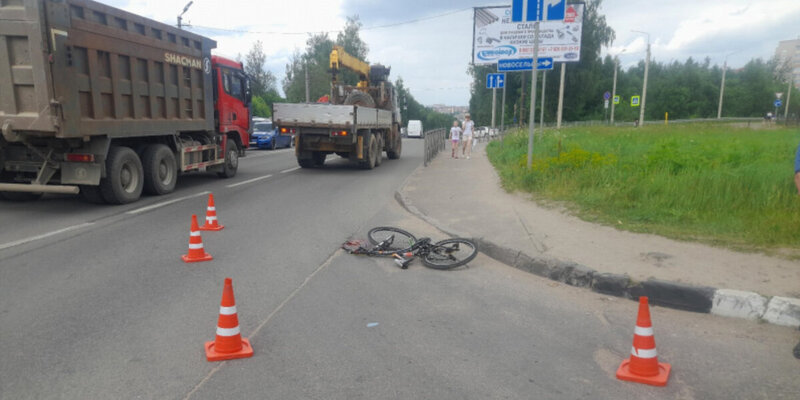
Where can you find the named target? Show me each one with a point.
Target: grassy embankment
(714, 183)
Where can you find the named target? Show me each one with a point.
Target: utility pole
(308, 93)
(788, 97)
(180, 16)
(614, 86)
(644, 86)
(722, 88)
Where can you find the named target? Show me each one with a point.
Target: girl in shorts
(455, 134)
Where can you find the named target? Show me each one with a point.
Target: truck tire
(319, 158)
(124, 176)
(394, 153)
(92, 194)
(359, 98)
(370, 150)
(379, 154)
(305, 162)
(160, 170)
(231, 163)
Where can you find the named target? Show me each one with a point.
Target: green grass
(715, 183)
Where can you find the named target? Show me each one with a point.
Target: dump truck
(102, 102)
(355, 122)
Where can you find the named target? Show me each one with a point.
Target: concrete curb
(702, 299)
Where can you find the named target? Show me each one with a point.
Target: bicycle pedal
(402, 263)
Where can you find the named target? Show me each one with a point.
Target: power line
(333, 31)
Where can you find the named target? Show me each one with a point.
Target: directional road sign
(495, 81)
(634, 101)
(778, 103)
(616, 99)
(537, 10)
(524, 64)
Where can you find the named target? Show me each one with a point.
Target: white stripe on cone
(644, 353)
(227, 331)
(211, 218)
(212, 208)
(227, 310)
(195, 246)
(194, 233)
(640, 331)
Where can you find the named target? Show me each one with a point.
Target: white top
(454, 133)
(468, 127)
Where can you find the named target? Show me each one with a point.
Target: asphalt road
(96, 303)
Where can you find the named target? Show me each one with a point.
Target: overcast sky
(429, 42)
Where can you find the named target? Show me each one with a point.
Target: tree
(315, 60)
(261, 81)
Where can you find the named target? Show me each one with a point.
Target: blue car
(265, 136)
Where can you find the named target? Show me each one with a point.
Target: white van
(415, 128)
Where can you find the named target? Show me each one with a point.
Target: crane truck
(107, 103)
(358, 122)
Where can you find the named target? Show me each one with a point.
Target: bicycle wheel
(450, 253)
(400, 239)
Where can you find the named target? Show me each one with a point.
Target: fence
(434, 143)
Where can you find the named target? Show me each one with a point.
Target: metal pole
(541, 111)
(614, 88)
(503, 111)
(532, 116)
(788, 97)
(522, 100)
(644, 87)
(308, 95)
(561, 95)
(722, 88)
(494, 104)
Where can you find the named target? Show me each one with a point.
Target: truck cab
(233, 96)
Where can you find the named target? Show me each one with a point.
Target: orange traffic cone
(228, 343)
(211, 223)
(643, 365)
(196, 252)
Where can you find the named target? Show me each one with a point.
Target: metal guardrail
(434, 143)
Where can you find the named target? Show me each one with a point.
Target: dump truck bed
(79, 68)
(317, 115)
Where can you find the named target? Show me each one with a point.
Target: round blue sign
(778, 103)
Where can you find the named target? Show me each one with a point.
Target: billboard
(495, 36)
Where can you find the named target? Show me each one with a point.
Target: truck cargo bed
(317, 115)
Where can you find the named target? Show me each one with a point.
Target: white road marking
(44, 235)
(249, 181)
(166, 203)
(290, 170)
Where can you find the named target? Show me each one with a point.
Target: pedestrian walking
(455, 135)
(466, 136)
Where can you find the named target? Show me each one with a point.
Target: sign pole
(561, 95)
(503, 111)
(614, 88)
(541, 111)
(494, 103)
(788, 97)
(532, 116)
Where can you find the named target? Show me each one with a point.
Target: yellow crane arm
(340, 58)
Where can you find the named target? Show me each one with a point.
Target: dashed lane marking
(166, 203)
(249, 181)
(44, 235)
(290, 170)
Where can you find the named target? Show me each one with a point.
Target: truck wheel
(359, 98)
(305, 162)
(379, 153)
(124, 176)
(319, 158)
(370, 150)
(20, 196)
(92, 194)
(394, 153)
(231, 160)
(160, 170)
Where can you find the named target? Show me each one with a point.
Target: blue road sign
(495, 81)
(606, 95)
(524, 64)
(634, 101)
(778, 103)
(538, 10)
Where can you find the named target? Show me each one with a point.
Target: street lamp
(722, 85)
(644, 86)
(614, 86)
(180, 16)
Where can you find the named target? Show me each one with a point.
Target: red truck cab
(232, 96)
